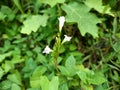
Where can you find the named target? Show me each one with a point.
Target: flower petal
(61, 22)
(47, 50)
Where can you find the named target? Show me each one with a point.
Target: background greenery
(90, 61)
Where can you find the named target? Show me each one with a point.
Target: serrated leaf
(79, 13)
(52, 2)
(33, 23)
(97, 5)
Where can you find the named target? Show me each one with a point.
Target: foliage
(89, 61)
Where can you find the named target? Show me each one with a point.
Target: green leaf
(1, 73)
(67, 71)
(30, 66)
(16, 56)
(17, 3)
(41, 59)
(34, 89)
(82, 76)
(8, 66)
(73, 47)
(79, 13)
(35, 82)
(64, 70)
(54, 83)
(8, 12)
(33, 23)
(44, 82)
(15, 87)
(97, 5)
(5, 85)
(2, 16)
(64, 87)
(116, 46)
(15, 77)
(89, 77)
(36, 77)
(97, 80)
(70, 62)
(39, 71)
(52, 2)
(3, 56)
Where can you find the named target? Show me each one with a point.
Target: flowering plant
(58, 43)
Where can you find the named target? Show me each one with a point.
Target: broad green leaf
(70, 62)
(15, 77)
(35, 79)
(97, 80)
(67, 71)
(97, 5)
(5, 85)
(15, 87)
(2, 16)
(44, 82)
(17, 3)
(35, 82)
(3, 56)
(116, 46)
(41, 59)
(63, 87)
(79, 13)
(73, 47)
(82, 76)
(16, 56)
(8, 12)
(30, 66)
(8, 66)
(64, 70)
(39, 71)
(1, 73)
(33, 23)
(52, 2)
(89, 77)
(54, 83)
(34, 89)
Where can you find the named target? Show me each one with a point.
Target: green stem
(57, 45)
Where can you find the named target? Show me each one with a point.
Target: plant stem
(56, 63)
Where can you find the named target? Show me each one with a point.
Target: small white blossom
(67, 38)
(61, 22)
(47, 50)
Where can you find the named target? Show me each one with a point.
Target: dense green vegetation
(83, 54)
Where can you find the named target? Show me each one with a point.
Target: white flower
(67, 38)
(47, 50)
(61, 22)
